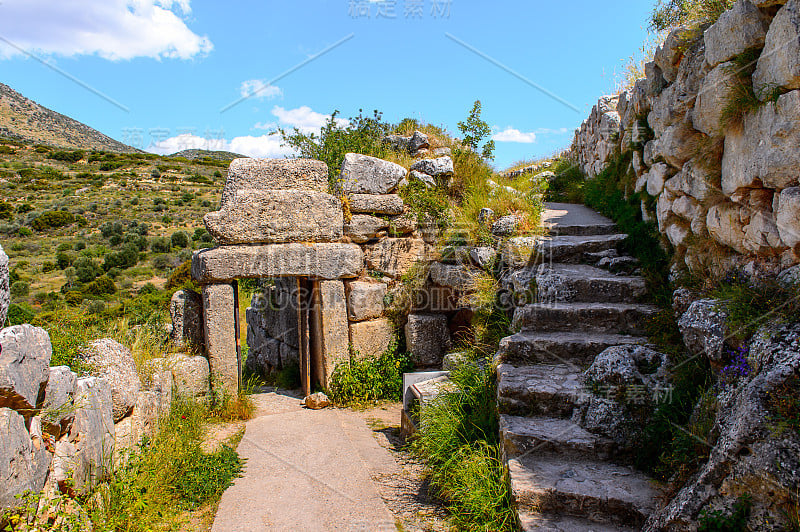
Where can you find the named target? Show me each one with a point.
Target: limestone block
(57, 409)
(365, 300)
(321, 260)
(788, 216)
(395, 256)
(362, 227)
(114, 363)
(371, 338)
(740, 28)
(376, 204)
(274, 174)
(24, 460)
(362, 174)
(725, 226)
(186, 311)
(779, 64)
(712, 99)
(761, 235)
(334, 332)
(191, 374)
(219, 328)
(25, 353)
(439, 167)
(427, 338)
(276, 216)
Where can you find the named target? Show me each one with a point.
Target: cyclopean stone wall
(726, 190)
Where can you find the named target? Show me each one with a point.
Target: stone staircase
(564, 478)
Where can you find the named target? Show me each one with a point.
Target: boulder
(264, 356)
(362, 227)
(696, 179)
(790, 277)
(142, 423)
(362, 174)
(712, 99)
(766, 148)
(779, 64)
(372, 337)
(25, 353)
(59, 394)
(85, 455)
(423, 178)
(376, 204)
(427, 338)
(761, 235)
(654, 84)
(740, 28)
(418, 141)
(442, 152)
(365, 300)
(397, 142)
(456, 276)
(704, 329)
(403, 224)
(186, 311)
(276, 216)
(274, 174)
(24, 460)
(669, 54)
(628, 364)
(482, 257)
(325, 261)
(191, 375)
(395, 256)
(686, 207)
(506, 225)
(5, 287)
(725, 226)
(678, 232)
(440, 167)
(788, 216)
(656, 177)
(317, 401)
(678, 144)
(113, 362)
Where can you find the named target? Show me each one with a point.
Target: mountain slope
(24, 119)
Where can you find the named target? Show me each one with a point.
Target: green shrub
(57, 219)
(100, 287)
(19, 314)
(669, 14)
(368, 379)
(160, 245)
(66, 156)
(720, 521)
(126, 258)
(363, 134)
(180, 239)
(20, 289)
(6, 211)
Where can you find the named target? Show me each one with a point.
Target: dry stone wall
(726, 190)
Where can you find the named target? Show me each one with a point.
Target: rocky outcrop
(362, 174)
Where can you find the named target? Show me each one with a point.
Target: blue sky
(167, 68)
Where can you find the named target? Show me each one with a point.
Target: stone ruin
(327, 261)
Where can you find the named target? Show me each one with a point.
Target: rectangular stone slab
(276, 216)
(319, 261)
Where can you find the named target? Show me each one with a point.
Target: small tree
(475, 130)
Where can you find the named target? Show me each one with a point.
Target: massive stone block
(220, 333)
(24, 461)
(365, 300)
(25, 353)
(113, 362)
(85, 455)
(5, 289)
(439, 167)
(322, 261)
(274, 174)
(779, 64)
(331, 328)
(371, 338)
(186, 311)
(57, 411)
(788, 216)
(191, 375)
(712, 99)
(456, 276)
(766, 148)
(276, 216)
(725, 225)
(362, 174)
(738, 29)
(395, 256)
(376, 204)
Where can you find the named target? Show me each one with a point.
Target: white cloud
(267, 146)
(514, 135)
(112, 29)
(266, 125)
(259, 89)
(304, 118)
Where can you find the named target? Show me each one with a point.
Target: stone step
(597, 491)
(579, 348)
(619, 318)
(536, 522)
(545, 435)
(568, 219)
(580, 282)
(539, 390)
(571, 249)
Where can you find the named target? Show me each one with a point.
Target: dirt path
(331, 469)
